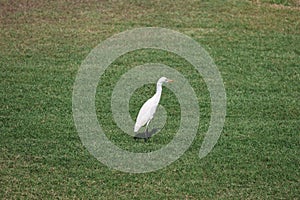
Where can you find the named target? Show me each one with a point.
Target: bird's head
(164, 80)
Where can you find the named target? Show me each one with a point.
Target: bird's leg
(146, 135)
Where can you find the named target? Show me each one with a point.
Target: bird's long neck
(158, 90)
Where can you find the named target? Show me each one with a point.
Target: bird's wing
(146, 113)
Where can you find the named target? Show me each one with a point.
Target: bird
(148, 109)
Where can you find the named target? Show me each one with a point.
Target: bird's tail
(136, 128)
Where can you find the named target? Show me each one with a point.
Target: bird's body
(148, 109)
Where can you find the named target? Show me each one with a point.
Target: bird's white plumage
(148, 109)
(146, 113)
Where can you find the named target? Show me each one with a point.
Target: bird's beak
(170, 81)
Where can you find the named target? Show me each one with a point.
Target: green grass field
(256, 47)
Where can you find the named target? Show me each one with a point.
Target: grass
(255, 45)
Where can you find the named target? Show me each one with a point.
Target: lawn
(255, 46)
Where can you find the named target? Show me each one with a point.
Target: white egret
(148, 109)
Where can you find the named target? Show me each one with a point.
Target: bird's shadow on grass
(144, 136)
